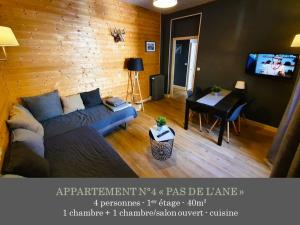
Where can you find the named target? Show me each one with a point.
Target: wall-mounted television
(272, 65)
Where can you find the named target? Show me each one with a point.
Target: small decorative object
(160, 122)
(150, 46)
(118, 34)
(216, 90)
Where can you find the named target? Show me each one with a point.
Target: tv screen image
(276, 65)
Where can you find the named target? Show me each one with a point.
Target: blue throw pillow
(45, 106)
(91, 98)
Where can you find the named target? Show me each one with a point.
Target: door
(181, 63)
(192, 64)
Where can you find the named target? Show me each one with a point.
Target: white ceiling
(182, 4)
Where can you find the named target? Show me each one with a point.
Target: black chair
(198, 92)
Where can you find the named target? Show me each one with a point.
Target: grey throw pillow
(22, 118)
(45, 106)
(32, 140)
(21, 160)
(72, 103)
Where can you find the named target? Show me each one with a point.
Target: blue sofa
(75, 146)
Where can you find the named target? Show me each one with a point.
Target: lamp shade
(296, 41)
(7, 37)
(135, 64)
(241, 85)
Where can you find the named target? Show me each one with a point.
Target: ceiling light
(164, 3)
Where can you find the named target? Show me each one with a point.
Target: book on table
(156, 133)
(115, 101)
(118, 108)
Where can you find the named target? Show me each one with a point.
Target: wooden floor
(195, 153)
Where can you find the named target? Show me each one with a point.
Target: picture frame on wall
(150, 46)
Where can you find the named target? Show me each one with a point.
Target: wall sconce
(7, 38)
(118, 34)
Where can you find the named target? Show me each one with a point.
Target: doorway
(184, 58)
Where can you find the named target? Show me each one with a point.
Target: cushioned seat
(99, 117)
(83, 152)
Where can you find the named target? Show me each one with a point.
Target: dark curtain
(285, 150)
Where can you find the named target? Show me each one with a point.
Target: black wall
(230, 29)
(188, 26)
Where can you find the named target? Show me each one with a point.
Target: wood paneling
(66, 45)
(4, 111)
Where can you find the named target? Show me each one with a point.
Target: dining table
(209, 102)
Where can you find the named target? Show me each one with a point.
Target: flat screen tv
(272, 65)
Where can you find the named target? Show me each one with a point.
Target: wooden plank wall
(66, 45)
(4, 111)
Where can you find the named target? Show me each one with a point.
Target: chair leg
(212, 127)
(206, 117)
(234, 127)
(124, 126)
(228, 132)
(200, 122)
(239, 124)
(190, 114)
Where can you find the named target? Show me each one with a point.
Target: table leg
(222, 129)
(186, 118)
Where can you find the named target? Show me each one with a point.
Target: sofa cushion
(83, 152)
(99, 117)
(91, 98)
(32, 140)
(72, 103)
(22, 118)
(44, 106)
(21, 160)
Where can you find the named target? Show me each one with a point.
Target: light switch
(198, 68)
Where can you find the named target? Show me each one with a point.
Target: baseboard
(179, 87)
(262, 125)
(147, 99)
(144, 100)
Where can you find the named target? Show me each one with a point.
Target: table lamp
(241, 85)
(136, 65)
(7, 38)
(296, 42)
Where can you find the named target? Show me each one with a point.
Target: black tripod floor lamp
(135, 65)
